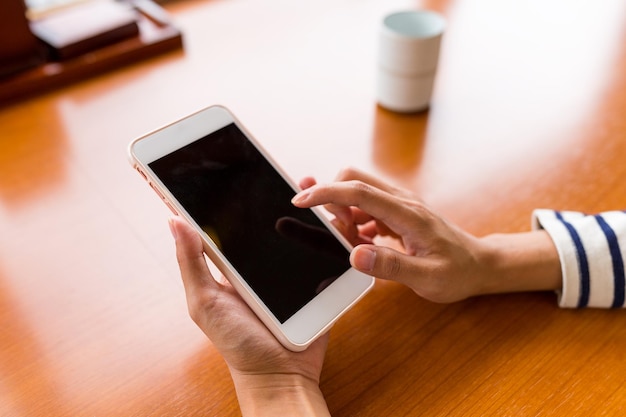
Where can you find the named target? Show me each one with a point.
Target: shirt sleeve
(592, 249)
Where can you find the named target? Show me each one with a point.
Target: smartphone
(289, 264)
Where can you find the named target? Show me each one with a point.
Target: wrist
(517, 262)
(279, 394)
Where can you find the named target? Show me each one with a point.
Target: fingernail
(170, 222)
(300, 197)
(364, 259)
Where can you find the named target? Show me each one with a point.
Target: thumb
(381, 262)
(190, 255)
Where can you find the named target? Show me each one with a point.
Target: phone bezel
(317, 316)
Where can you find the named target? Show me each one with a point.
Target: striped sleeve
(592, 250)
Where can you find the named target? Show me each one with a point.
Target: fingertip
(363, 258)
(171, 222)
(179, 228)
(300, 198)
(187, 240)
(307, 182)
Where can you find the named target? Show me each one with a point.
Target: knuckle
(391, 266)
(346, 174)
(395, 266)
(360, 189)
(417, 207)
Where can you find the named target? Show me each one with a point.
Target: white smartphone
(289, 264)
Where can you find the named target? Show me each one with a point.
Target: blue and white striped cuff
(592, 250)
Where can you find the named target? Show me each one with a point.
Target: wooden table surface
(529, 111)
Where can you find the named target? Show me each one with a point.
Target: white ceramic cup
(408, 54)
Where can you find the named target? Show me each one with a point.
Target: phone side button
(141, 173)
(171, 208)
(157, 191)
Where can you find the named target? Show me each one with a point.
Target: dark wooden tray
(156, 36)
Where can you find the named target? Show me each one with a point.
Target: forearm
(275, 395)
(519, 262)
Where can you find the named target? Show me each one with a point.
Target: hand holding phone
(263, 371)
(289, 264)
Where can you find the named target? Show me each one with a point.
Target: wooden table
(529, 111)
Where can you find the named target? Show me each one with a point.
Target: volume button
(167, 203)
(171, 208)
(157, 191)
(141, 173)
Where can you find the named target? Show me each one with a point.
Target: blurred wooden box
(85, 27)
(156, 35)
(19, 48)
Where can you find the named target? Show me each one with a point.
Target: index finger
(351, 174)
(391, 210)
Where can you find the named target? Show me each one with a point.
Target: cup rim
(398, 24)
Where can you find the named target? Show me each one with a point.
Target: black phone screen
(284, 253)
